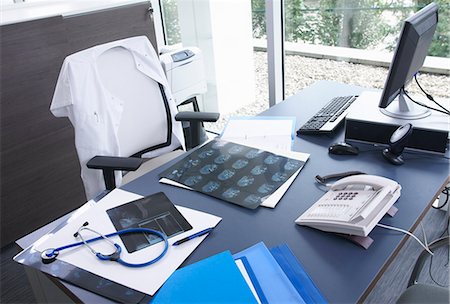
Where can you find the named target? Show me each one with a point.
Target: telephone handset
(353, 205)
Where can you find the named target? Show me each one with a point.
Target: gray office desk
(343, 271)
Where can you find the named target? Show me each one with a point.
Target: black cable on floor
(446, 192)
(431, 273)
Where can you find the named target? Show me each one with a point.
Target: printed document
(146, 279)
(266, 133)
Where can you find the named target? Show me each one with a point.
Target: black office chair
(117, 97)
(424, 293)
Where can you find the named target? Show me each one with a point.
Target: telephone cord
(424, 235)
(405, 232)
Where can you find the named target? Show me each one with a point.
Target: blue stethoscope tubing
(116, 255)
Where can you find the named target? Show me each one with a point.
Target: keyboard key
(331, 112)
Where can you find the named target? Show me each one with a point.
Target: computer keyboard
(327, 118)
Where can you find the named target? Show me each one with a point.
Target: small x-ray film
(153, 212)
(232, 172)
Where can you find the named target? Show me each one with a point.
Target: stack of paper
(267, 133)
(145, 279)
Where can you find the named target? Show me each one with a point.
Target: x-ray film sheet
(235, 173)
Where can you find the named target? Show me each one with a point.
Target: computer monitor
(412, 48)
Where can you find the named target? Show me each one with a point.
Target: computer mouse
(343, 148)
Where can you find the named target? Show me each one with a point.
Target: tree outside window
(361, 24)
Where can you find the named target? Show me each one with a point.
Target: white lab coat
(80, 97)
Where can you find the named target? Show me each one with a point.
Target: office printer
(185, 73)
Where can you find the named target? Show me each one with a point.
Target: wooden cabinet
(40, 173)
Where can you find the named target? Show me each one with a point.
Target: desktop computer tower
(365, 123)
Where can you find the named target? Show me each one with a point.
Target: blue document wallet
(272, 282)
(216, 279)
(296, 274)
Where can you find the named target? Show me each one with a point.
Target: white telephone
(353, 205)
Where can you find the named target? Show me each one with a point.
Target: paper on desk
(273, 199)
(261, 132)
(247, 279)
(146, 279)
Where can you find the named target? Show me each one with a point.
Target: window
(171, 22)
(223, 30)
(352, 42)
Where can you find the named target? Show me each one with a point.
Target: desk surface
(343, 271)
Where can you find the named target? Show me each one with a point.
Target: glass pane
(260, 55)
(223, 30)
(352, 42)
(171, 22)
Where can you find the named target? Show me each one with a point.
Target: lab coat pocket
(96, 118)
(91, 131)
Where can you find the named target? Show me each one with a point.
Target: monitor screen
(412, 48)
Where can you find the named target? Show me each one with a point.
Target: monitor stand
(404, 108)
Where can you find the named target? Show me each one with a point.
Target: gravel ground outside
(302, 72)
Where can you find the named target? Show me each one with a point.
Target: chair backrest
(117, 98)
(144, 123)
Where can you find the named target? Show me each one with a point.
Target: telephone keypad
(340, 205)
(345, 196)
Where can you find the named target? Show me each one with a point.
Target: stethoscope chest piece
(49, 255)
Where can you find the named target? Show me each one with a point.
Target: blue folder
(255, 282)
(215, 279)
(296, 274)
(277, 275)
(270, 281)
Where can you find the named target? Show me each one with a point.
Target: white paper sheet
(146, 279)
(247, 279)
(275, 197)
(260, 132)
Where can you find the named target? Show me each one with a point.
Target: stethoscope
(49, 255)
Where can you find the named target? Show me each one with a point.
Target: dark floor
(394, 280)
(14, 284)
(16, 289)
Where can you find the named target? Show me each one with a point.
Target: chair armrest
(109, 164)
(114, 162)
(197, 116)
(196, 134)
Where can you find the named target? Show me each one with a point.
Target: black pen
(200, 233)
